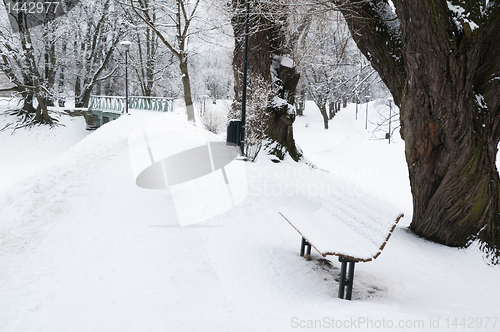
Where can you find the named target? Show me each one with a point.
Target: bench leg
(303, 246)
(346, 280)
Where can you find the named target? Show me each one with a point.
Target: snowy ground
(22, 151)
(82, 248)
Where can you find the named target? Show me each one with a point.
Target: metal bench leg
(346, 280)
(303, 246)
(350, 280)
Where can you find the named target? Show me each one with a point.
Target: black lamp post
(390, 99)
(126, 44)
(366, 120)
(236, 128)
(357, 102)
(244, 92)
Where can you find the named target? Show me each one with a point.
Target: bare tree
(322, 55)
(19, 60)
(95, 40)
(147, 59)
(171, 22)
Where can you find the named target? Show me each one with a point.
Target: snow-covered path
(108, 258)
(341, 137)
(349, 151)
(111, 256)
(82, 248)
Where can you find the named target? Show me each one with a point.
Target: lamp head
(126, 44)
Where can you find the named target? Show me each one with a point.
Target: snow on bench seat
(355, 227)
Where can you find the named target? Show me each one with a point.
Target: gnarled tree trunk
(442, 70)
(266, 51)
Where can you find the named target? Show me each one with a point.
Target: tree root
(26, 119)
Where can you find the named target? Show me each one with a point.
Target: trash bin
(233, 133)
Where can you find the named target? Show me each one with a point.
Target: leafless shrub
(256, 115)
(213, 120)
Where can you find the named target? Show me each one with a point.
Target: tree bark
(42, 114)
(322, 110)
(147, 44)
(186, 85)
(301, 104)
(445, 78)
(27, 97)
(61, 101)
(49, 63)
(279, 130)
(332, 108)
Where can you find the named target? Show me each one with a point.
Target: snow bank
(26, 150)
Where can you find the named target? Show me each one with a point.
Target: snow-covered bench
(355, 228)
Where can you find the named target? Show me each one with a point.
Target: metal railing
(107, 104)
(160, 104)
(113, 104)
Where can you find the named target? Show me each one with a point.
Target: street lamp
(366, 121)
(357, 102)
(245, 71)
(390, 99)
(126, 44)
(236, 128)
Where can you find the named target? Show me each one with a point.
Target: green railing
(107, 104)
(160, 104)
(117, 104)
(110, 108)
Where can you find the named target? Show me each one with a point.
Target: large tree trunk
(42, 114)
(267, 48)
(279, 130)
(28, 98)
(445, 79)
(450, 129)
(84, 98)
